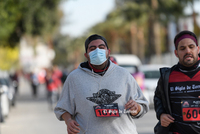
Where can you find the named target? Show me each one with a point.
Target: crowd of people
(53, 79)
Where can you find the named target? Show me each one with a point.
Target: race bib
(191, 110)
(108, 110)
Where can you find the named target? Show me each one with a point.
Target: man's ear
(109, 51)
(175, 52)
(85, 54)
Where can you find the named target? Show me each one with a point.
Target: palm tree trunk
(133, 31)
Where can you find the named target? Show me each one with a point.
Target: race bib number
(191, 110)
(110, 110)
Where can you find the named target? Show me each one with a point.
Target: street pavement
(145, 125)
(33, 116)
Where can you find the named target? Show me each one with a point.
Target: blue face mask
(97, 56)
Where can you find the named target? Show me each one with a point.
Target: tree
(141, 24)
(69, 51)
(24, 18)
(8, 57)
(35, 18)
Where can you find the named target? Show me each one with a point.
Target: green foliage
(69, 50)
(9, 16)
(39, 16)
(133, 11)
(117, 28)
(130, 17)
(8, 57)
(33, 17)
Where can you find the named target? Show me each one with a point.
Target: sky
(80, 15)
(196, 8)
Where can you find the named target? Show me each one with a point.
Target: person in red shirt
(52, 85)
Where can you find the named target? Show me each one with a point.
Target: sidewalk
(31, 115)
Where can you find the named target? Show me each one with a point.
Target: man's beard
(190, 62)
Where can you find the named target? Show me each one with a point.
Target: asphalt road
(33, 116)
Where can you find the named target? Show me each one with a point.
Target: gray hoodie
(83, 83)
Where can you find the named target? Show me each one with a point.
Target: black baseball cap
(94, 37)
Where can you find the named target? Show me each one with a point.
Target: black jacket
(161, 99)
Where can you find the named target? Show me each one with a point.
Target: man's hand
(166, 119)
(198, 96)
(133, 107)
(72, 126)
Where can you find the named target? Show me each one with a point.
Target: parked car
(131, 63)
(7, 93)
(1, 114)
(11, 91)
(5, 105)
(128, 61)
(152, 74)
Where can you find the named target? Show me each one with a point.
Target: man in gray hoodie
(100, 97)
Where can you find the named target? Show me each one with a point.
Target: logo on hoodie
(104, 96)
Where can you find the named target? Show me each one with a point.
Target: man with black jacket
(177, 96)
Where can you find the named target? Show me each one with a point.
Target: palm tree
(139, 26)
